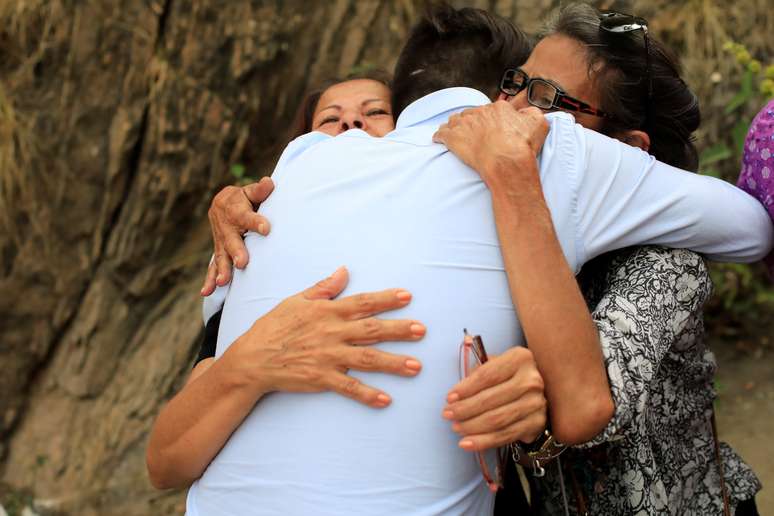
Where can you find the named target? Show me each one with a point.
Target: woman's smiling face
(356, 104)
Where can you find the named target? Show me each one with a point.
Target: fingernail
(262, 228)
(383, 398)
(455, 427)
(452, 397)
(413, 365)
(403, 295)
(448, 414)
(219, 279)
(238, 262)
(466, 444)
(417, 329)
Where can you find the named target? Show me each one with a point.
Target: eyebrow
(550, 81)
(555, 84)
(336, 106)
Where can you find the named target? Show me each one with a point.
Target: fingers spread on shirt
(221, 259)
(208, 287)
(371, 359)
(242, 218)
(353, 388)
(223, 265)
(368, 304)
(258, 192)
(372, 330)
(233, 244)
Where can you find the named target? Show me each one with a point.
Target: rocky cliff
(118, 122)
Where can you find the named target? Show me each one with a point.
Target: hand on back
(309, 342)
(495, 139)
(232, 214)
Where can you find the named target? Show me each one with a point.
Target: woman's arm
(305, 344)
(501, 144)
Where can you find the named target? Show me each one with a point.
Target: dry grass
(25, 27)
(16, 156)
(698, 29)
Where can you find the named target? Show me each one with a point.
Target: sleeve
(210, 340)
(625, 197)
(651, 297)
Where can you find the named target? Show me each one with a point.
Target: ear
(635, 138)
(502, 96)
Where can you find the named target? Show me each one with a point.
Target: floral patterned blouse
(657, 455)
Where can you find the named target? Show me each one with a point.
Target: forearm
(556, 322)
(196, 423)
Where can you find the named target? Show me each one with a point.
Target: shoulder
(300, 145)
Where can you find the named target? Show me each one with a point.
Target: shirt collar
(424, 110)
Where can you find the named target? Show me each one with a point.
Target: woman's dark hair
(305, 113)
(618, 67)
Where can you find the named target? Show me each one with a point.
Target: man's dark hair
(618, 66)
(456, 47)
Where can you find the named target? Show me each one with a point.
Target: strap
(721, 471)
(580, 500)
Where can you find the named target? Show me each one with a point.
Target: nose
(352, 120)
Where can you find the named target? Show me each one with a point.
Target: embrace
(461, 198)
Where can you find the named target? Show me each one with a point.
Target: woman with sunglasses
(658, 451)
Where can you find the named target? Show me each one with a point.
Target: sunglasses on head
(620, 23)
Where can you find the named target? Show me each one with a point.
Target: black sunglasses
(544, 94)
(619, 23)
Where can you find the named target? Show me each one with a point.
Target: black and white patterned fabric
(656, 456)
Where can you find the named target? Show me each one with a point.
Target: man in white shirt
(402, 210)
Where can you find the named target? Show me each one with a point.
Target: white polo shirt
(401, 211)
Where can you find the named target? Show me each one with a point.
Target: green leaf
(714, 154)
(238, 170)
(743, 95)
(739, 134)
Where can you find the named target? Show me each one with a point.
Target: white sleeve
(625, 197)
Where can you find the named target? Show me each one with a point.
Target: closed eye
(375, 112)
(330, 119)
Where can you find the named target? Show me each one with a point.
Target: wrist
(521, 206)
(513, 176)
(239, 374)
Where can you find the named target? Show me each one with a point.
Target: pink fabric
(757, 175)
